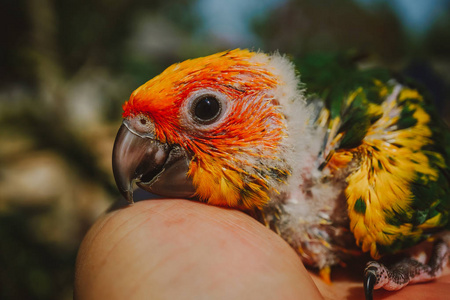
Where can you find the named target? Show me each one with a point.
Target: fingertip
(174, 248)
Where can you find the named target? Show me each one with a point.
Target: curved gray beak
(155, 167)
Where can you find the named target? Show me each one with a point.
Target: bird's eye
(206, 109)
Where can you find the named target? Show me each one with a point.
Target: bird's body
(359, 165)
(381, 184)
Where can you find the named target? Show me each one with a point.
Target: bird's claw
(370, 278)
(407, 270)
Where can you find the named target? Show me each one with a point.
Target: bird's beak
(156, 167)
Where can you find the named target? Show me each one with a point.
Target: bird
(338, 160)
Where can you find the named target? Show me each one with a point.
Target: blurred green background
(67, 66)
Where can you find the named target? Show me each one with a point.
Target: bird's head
(213, 128)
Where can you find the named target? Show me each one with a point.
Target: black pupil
(207, 108)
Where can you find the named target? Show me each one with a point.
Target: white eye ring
(210, 115)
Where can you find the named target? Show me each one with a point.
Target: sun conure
(347, 162)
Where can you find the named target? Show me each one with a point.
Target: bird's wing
(396, 159)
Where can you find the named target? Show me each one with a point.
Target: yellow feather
(390, 160)
(409, 94)
(430, 223)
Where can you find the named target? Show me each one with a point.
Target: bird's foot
(408, 270)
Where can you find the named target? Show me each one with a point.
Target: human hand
(179, 249)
